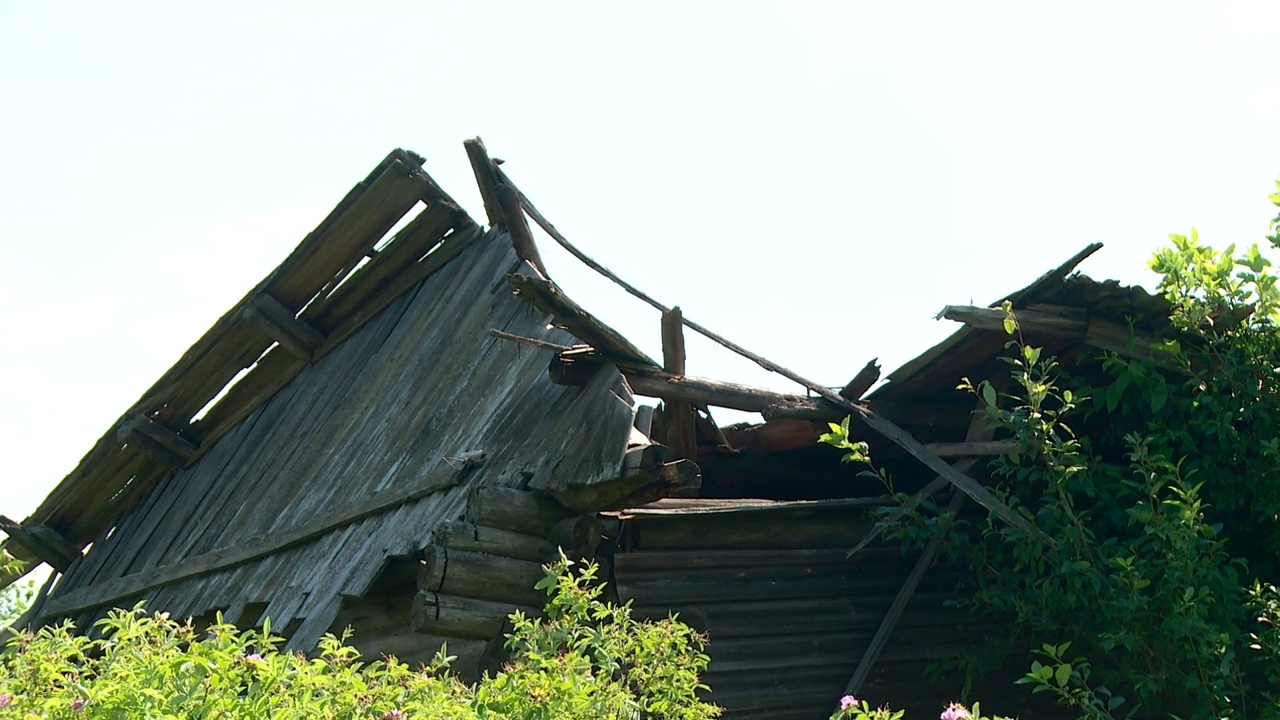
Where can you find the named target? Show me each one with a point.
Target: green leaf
(1159, 396)
(1010, 325)
(1062, 675)
(989, 395)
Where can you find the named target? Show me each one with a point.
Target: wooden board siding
(787, 615)
(419, 387)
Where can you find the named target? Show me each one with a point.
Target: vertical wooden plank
(682, 439)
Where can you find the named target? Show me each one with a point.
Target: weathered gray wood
(521, 237)
(974, 449)
(41, 541)
(586, 446)
(283, 326)
(228, 557)
(877, 644)
(682, 436)
(657, 383)
(862, 382)
(158, 441)
(639, 485)
(460, 617)
(464, 536)
(515, 510)
(483, 577)
(486, 178)
(881, 425)
(546, 296)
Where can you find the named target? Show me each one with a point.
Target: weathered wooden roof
(341, 275)
(357, 460)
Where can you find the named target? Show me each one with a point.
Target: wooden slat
(228, 557)
(421, 236)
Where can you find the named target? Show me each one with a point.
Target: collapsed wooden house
(394, 429)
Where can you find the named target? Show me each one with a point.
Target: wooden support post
(682, 438)
(283, 326)
(158, 441)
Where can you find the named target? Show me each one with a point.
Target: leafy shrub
(583, 659)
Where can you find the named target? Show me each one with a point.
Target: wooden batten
(461, 617)
(283, 326)
(158, 441)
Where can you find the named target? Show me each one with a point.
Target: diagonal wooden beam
(980, 429)
(900, 602)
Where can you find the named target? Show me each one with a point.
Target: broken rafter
(885, 427)
(1071, 323)
(862, 382)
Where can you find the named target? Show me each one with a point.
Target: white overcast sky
(812, 180)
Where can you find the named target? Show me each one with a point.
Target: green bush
(1158, 547)
(582, 659)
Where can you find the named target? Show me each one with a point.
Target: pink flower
(848, 701)
(78, 704)
(5, 699)
(394, 715)
(955, 711)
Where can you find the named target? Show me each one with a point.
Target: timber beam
(158, 441)
(294, 335)
(42, 541)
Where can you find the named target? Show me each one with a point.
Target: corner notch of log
(42, 541)
(158, 441)
(283, 326)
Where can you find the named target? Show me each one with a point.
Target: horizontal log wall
(787, 615)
